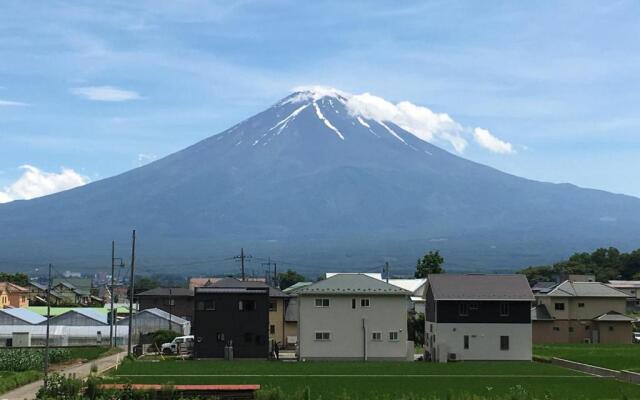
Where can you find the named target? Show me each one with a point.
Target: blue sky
(560, 81)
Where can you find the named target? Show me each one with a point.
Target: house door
(595, 336)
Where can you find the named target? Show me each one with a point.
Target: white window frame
(396, 334)
(325, 336)
(321, 301)
(367, 301)
(378, 338)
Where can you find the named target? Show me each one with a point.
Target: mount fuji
(322, 182)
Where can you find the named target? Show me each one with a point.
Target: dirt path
(80, 370)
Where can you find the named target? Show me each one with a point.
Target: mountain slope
(308, 181)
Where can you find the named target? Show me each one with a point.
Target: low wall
(623, 376)
(587, 368)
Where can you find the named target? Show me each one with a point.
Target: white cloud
(485, 139)
(35, 183)
(9, 103)
(105, 93)
(421, 121)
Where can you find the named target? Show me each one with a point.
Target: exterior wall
(276, 319)
(572, 331)
(593, 306)
(13, 299)
(484, 340)
(234, 324)
(290, 330)
(349, 340)
(182, 306)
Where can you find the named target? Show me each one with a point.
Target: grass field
(613, 356)
(383, 380)
(12, 380)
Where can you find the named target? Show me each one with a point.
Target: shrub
(60, 387)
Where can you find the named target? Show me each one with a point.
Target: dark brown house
(231, 313)
(176, 301)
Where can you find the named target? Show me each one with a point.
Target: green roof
(296, 286)
(352, 284)
(55, 311)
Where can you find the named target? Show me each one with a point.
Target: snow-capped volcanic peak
(379, 116)
(304, 94)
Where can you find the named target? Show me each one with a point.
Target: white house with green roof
(353, 317)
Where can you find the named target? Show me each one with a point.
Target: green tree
(289, 278)
(431, 263)
(18, 278)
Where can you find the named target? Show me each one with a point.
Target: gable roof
(414, 286)
(296, 286)
(157, 313)
(77, 283)
(12, 288)
(375, 275)
(613, 316)
(512, 287)
(180, 292)
(24, 315)
(353, 284)
(90, 313)
(585, 289)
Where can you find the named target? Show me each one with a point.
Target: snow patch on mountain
(326, 121)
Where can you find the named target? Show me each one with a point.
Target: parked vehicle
(636, 337)
(174, 345)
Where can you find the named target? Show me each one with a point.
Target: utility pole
(113, 272)
(275, 276)
(386, 269)
(170, 307)
(131, 286)
(46, 348)
(242, 257)
(268, 271)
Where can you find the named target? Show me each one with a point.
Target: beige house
(277, 309)
(13, 296)
(581, 312)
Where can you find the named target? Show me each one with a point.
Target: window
(504, 342)
(463, 309)
(571, 329)
(272, 329)
(466, 342)
(376, 336)
(353, 303)
(323, 336)
(555, 328)
(322, 302)
(207, 305)
(559, 306)
(273, 306)
(169, 302)
(474, 306)
(220, 337)
(580, 305)
(247, 305)
(393, 336)
(611, 329)
(504, 309)
(248, 337)
(364, 302)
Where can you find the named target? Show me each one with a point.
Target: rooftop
(585, 289)
(353, 284)
(24, 315)
(513, 287)
(12, 287)
(167, 292)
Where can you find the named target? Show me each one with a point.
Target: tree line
(605, 263)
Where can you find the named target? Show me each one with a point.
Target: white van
(172, 348)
